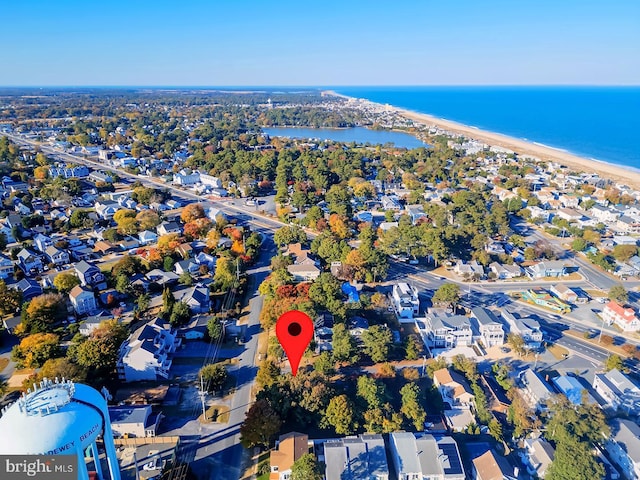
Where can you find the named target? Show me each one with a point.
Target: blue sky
(347, 42)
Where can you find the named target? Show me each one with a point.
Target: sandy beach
(618, 174)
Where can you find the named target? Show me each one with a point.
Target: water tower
(60, 417)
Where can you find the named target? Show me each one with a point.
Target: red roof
(626, 313)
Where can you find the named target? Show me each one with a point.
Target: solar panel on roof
(450, 450)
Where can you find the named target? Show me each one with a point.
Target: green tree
(614, 362)
(622, 253)
(324, 364)
(213, 375)
(517, 343)
(413, 347)
(215, 329)
(289, 234)
(344, 346)
(574, 460)
(619, 294)
(306, 468)
(326, 293)
(180, 314)
(377, 342)
(382, 420)
(3, 241)
(268, 373)
(495, 430)
(185, 278)
(412, 405)
(168, 301)
(65, 281)
(579, 245)
(225, 275)
(80, 218)
(447, 293)
(371, 391)
(260, 425)
(10, 299)
(99, 353)
(167, 263)
(340, 415)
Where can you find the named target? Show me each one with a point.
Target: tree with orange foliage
(168, 243)
(192, 212)
(338, 226)
(35, 349)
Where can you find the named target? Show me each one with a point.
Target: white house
(83, 301)
(425, 457)
(490, 331)
(526, 327)
(145, 355)
(538, 456)
(504, 272)
(147, 237)
(133, 421)
(405, 301)
(56, 256)
(356, 457)
(445, 331)
(623, 446)
(535, 390)
(618, 391)
(453, 388)
(624, 317)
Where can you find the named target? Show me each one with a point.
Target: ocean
(599, 123)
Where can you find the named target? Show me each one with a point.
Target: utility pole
(202, 394)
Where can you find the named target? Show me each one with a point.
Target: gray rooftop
(355, 458)
(484, 316)
(627, 434)
(129, 414)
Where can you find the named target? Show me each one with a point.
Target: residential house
(619, 391)
(183, 266)
(106, 208)
(553, 268)
(425, 457)
(453, 388)
(145, 355)
(505, 272)
(445, 331)
(569, 214)
(289, 448)
(303, 272)
(537, 212)
(197, 297)
(42, 242)
(490, 331)
(625, 240)
(323, 332)
(168, 227)
(357, 326)
(162, 278)
(628, 224)
(56, 256)
(604, 214)
(30, 263)
(186, 178)
(565, 293)
(571, 388)
(405, 301)
(6, 267)
(83, 300)
(29, 288)
(89, 324)
(472, 269)
(535, 390)
(538, 456)
(356, 458)
(89, 274)
(147, 237)
(491, 466)
(623, 446)
(526, 327)
(416, 212)
(623, 317)
(390, 203)
(136, 421)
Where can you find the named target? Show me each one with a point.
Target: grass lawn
(3, 363)
(216, 414)
(558, 352)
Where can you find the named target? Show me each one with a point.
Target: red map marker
(294, 330)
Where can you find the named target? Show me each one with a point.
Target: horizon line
(327, 87)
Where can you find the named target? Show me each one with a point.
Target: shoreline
(618, 173)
